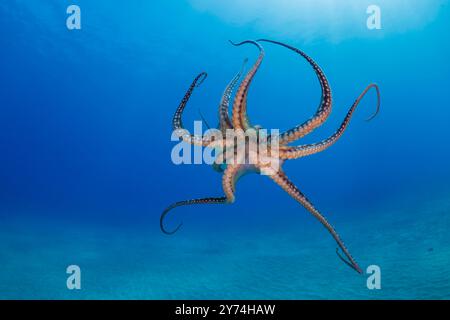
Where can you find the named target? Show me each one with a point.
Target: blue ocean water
(86, 170)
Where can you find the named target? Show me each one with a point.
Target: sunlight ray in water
(330, 19)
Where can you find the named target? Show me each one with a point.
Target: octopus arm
(282, 180)
(239, 112)
(224, 119)
(177, 122)
(308, 149)
(324, 109)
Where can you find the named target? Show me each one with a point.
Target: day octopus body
(233, 170)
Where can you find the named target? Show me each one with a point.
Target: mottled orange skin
(239, 121)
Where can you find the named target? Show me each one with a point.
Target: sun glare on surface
(334, 20)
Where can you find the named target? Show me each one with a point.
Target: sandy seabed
(412, 248)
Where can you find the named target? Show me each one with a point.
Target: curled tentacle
(308, 149)
(372, 85)
(218, 200)
(230, 176)
(177, 121)
(347, 262)
(239, 114)
(324, 109)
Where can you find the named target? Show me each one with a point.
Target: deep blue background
(85, 115)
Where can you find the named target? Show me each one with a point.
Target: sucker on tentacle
(211, 200)
(239, 115)
(177, 122)
(308, 149)
(224, 119)
(324, 109)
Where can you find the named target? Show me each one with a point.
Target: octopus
(239, 121)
